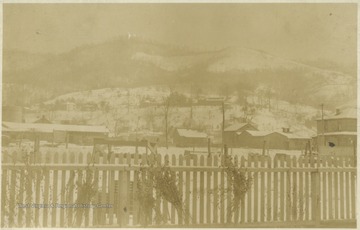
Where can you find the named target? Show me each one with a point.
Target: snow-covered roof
(295, 136)
(265, 133)
(339, 133)
(257, 133)
(49, 128)
(191, 133)
(348, 112)
(235, 127)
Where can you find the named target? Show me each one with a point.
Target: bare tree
(166, 107)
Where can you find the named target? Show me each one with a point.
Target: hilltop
(138, 62)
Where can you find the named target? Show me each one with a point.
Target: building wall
(181, 141)
(248, 141)
(337, 151)
(277, 141)
(29, 136)
(337, 125)
(298, 144)
(231, 137)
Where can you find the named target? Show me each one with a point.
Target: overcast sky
(296, 31)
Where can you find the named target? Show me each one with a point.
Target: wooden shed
(190, 138)
(230, 133)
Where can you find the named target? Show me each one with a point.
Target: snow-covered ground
(123, 109)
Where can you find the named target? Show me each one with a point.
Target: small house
(77, 134)
(337, 133)
(190, 138)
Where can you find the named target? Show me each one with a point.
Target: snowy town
(136, 129)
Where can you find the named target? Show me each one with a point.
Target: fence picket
(222, 191)
(135, 201)
(4, 199)
(288, 191)
(21, 198)
(324, 188)
(347, 189)
(94, 160)
(181, 189)
(336, 189)
(341, 174)
(37, 196)
(307, 188)
(294, 191)
(127, 191)
(256, 185)
(282, 190)
(104, 199)
(330, 177)
(156, 218)
(78, 212)
(242, 205)
(55, 194)
(304, 189)
(268, 190)
(237, 207)
(111, 192)
(187, 193)
(88, 180)
(143, 213)
(353, 191)
(194, 191)
(70, 195)
(46, 189)
(173, 163)
(208, 189)
(165, 208)
(228, 189)
(63, 190)
(249, 203)
(301, 189)
(12, 191)
(216, 192)
(12, 198)
(202, 194)
(263, 193)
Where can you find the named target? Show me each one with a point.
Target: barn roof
(236, 127)
(49, 128)
(191, 133)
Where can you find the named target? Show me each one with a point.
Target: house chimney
(286, 130)
(337, 112)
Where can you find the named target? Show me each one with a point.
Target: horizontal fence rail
(203, 191)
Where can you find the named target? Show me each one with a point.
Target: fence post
(315, 193)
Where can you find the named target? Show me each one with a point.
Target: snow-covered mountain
(138, 62)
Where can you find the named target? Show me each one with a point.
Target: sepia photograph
(179, 115)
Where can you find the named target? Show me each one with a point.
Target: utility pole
(323, 124)
(223, 122)
(191, 105)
